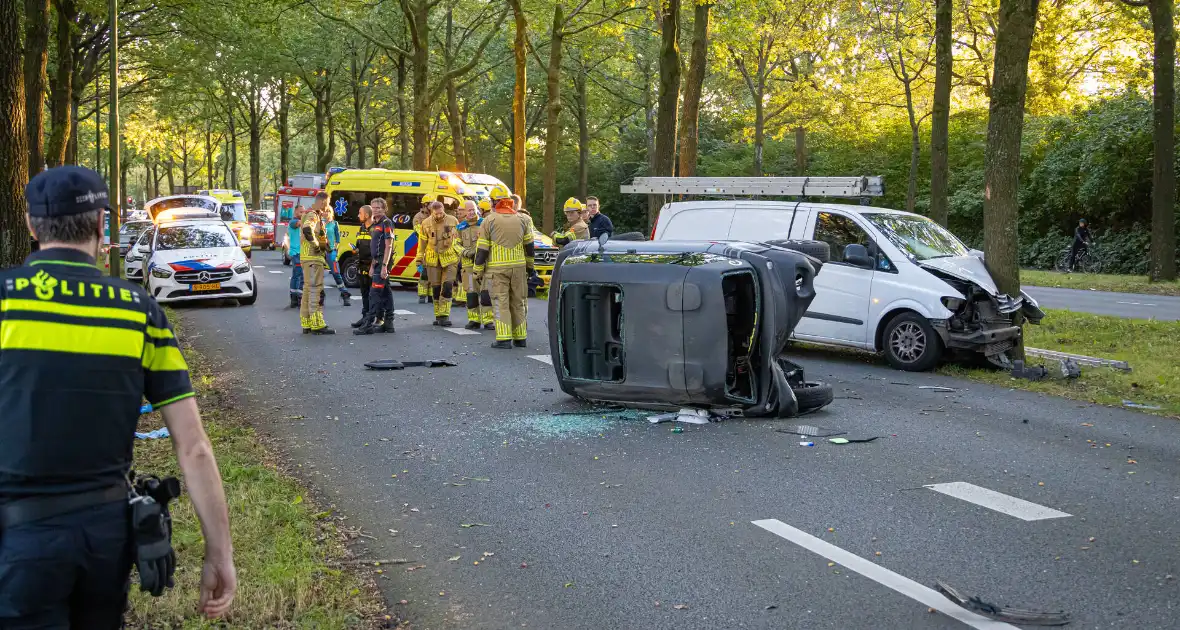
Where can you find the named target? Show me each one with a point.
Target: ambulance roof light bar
(851, 187)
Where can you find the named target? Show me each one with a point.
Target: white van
(896, 283)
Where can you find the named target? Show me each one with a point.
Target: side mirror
(976, 253)
(858, 256)
(144, 249)
(602, 239)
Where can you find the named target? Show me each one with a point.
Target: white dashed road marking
(276, 272)
(260, 266)
(402, 311)
(879, 574)
(1136, 303)
(992, 500)
(543, 358)
(462, 331)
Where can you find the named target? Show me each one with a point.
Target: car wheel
(350, 272)
(249, 301)
(911, 343)
(813, 395)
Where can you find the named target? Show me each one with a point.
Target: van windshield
(917, 236)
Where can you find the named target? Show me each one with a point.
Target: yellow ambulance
(233, 212)
(349, 189)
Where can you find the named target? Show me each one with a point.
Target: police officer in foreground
(79, 353)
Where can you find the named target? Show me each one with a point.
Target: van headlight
(953, 303)
(242, 268)
(246, 232)
(161, 272)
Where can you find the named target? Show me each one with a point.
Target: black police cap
(65, 191)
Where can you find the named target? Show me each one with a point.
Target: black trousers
(380, 296)
(67, 571)
(1077, 248)
(366, 286)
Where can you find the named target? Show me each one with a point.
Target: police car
(133, 262)
(197, 259)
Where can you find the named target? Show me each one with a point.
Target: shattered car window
(917, 236)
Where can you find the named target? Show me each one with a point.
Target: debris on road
(687, 416)
(470, 525)
(680, 606)
(1033, 373)
(1130, 404)
(807, 444)
(1080, 359)
(807, 430)
(1010, 615)
(394, 364)
(936, 388)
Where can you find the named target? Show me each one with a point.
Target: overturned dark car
(672, 324)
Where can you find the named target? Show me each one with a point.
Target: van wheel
(911, 343)
(813, 395)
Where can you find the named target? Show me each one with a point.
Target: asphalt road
(1131, 305)
(597, 521)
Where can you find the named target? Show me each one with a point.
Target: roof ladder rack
(866, 186)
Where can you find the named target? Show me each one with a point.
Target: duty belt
(38, 508)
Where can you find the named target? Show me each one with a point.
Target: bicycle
(1084, 263)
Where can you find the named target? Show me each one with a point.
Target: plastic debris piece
(936, 388)
(1032, 373)
(1130, 404)
(807, 430)
(153, 435)
(470, 525)
(394, 364)
(838, 440)
(807, 444)
(1017, 616)
(1070, 369)
(145, 408)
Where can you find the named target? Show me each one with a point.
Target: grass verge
(1152, 348)
(1098, 282)
(293, 566)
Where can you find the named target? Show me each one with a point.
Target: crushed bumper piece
(1018, 616)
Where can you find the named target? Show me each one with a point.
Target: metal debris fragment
(1018, 616)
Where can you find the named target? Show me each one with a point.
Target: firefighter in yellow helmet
(576, 229)
(436, 252)
(477, 314)
(423, 281)
(504, 256)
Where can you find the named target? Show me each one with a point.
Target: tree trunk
(800, 151)
(692, 90)
(403, 132)
(325, 129)
(284, 132)
(455, 120)
(209, 155)
(225, 162)
(147, 177)
(256, 115)
(184, 162)
(649, 119)
(911, 191)
(669, 90)
(759, 133)
(1163, 179)
(62, 87)
(348, 149)
(233, 153)
(1001, 212)
(519, 96)
(552, 120)
(171, 177)
(940, 112)
(14, 156)
(36, 56)
(72, 136)
(422, 104)
(358, 111)
(97, 127)
(583, 136)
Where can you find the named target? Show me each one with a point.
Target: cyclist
(1081, 241)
